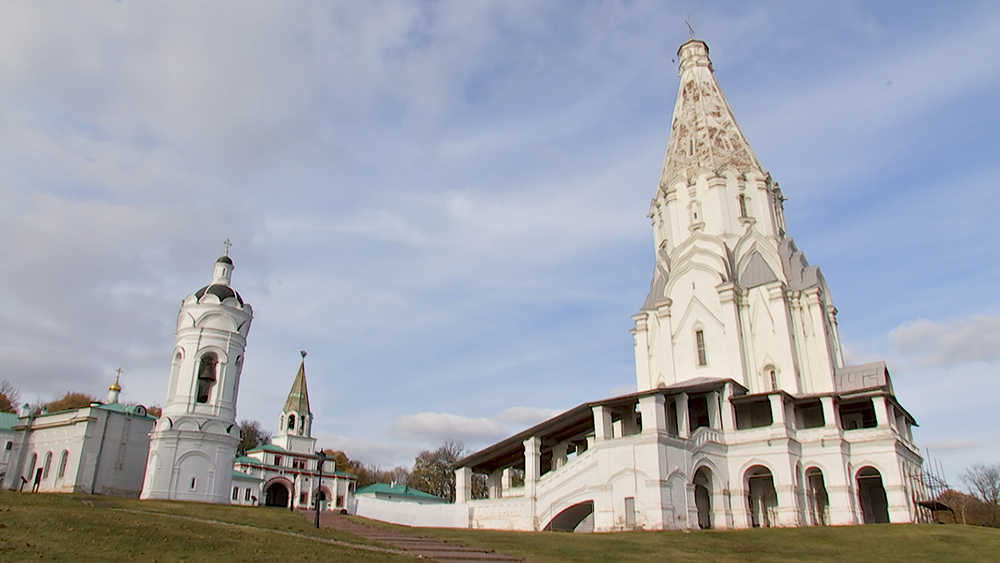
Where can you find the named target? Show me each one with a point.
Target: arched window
(302, 424)
(46, 465)
(291, 422)
(63, 459)
(32, 462)
(772, 378)
(743, 205)
(699, 339)
(206, 376)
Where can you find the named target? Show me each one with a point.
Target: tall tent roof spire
(298, 397)
(704, 135)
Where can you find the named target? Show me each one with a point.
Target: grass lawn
(886, 542)
(93, 528)
(55, 527)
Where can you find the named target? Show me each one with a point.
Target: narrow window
(774, 380)
(743, 205)
(691, 147)
(62, 464)
(236, 493)
(291, 422)
(277, 460)
(48, 463)
(246, 496)
(206, 376)
(194, 482)
(9, 445)
(699, 337)
(31, 464)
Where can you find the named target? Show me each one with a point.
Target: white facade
(193, 445)
(99, 449)
(745, 415)
(286, 472)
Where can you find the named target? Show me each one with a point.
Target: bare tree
(251, 436)
(434, 472)
(9, 397)
(983, 481)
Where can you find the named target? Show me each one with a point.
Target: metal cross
(227, 245)
(119, 372)
(303, 352)
(690, 29)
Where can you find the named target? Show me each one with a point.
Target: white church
(745, 415)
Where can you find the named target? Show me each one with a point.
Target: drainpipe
(21, 447)
(100, 450)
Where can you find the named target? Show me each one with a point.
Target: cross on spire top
(303, 352)
(227, 244)
(690, 29)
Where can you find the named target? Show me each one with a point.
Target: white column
(496, 484)
(778, 408)
(881, 414)
(463, 484)
(728, 414)
(559, 455)
(830, 418)
(505, 481)
(602, 423)
(713, 410)
(682, 415)
(654, 414)
(532, 464)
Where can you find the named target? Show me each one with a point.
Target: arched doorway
(871, 494)
(276, 494)
(818, 501)
(573, 519)
(762, 499)
(703, 497)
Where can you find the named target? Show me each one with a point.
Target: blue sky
(444, 202)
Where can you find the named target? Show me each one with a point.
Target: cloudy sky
(444, 202)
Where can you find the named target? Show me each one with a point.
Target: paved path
(413, 544)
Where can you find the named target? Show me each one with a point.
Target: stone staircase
(412, 543)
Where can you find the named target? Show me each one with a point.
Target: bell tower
(295, 422)
(193, 445)
(731, 295)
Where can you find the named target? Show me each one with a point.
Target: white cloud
(433, 427)
(526, 416)
(959, 341)
(953, 444)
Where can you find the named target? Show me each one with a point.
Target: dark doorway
(569, 519)
(762, 499)
(871, 493)
(703, 497)
(276, 495)
(819, 501)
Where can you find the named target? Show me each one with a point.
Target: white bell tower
(193, 445)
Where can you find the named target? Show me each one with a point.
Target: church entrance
(871, 493)
(703, 497)
(819, 502)
(276, 495)
(761, 497)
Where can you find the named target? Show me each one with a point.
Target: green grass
(887, 542)
(55, 527)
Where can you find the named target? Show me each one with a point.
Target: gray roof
(866, 376)
(298, 397)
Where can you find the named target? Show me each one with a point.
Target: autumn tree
(434, 471)
(9, 397)
(983, 481)
(70, 400)
(154, 410)
(251, 436)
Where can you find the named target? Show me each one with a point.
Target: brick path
(413, 544)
